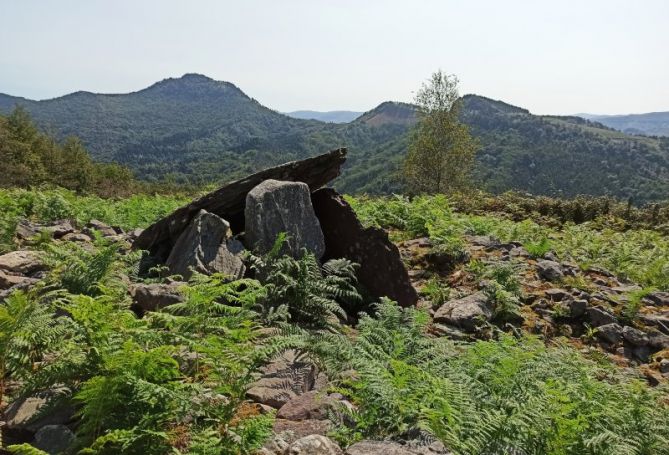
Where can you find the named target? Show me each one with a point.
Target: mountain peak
(390, 113)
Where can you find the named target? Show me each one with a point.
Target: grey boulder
(154, 296)
(205, 247)
(611, 333)
(314, 444)
(599, 316)
(273, 207)
(550, 270)
(466, 313)
(23, 262)
(395, 448)
(53, 439)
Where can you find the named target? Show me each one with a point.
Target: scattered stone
(205, 247)
(283, 379)
(635, 336)
(625, 289)
(466, 313)
(519, 252)
(551, 256)
(395, 448)
(274, 207)
(445, 261)
(10, 280)
(29, 414)
(556, 294)
(485, 241)
(228, 201)
(314, 444)
(309, 405)
(664, 366)
(104, 229)
(661, 321)
(53, 439)
(599, 271)
(658, 340)
(598, 316)
(549, 270)
(154, 296)
(27, 230)
(77, 237)
(381, 270)
(611, 333)
(301, 428)
(658, 298)
(23, 262)
(577, 307)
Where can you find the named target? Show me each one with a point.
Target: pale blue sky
(558, 57)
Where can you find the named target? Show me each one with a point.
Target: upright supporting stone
(206, 248)
(274, 207)
(381, 269)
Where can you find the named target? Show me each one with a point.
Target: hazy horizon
(599, 57)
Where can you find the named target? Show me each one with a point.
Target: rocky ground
(590, 308)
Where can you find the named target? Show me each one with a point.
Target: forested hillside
(194, 129)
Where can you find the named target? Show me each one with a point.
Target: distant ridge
(650, 124)
(327, 116)
(196, 129)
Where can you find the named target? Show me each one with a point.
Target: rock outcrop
(381, 271)
(274, 207)
(229, 201)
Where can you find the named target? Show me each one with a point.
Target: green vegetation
(174, 380)
(639, 255)
(197, 130)
(490, 397)
(33, 158)
(50, 205)
(441, 150)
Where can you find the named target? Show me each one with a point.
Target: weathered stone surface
(314, 444)
(309, 405)
(26, 414)
(395, 448)
(577, 307)
(635, 336)
(104, 229)
(27, 230)
(658, 340)
(23, 262)
(77, 237)
(611, 333)
(301, 428)
(228, 201)
(53, 439)
(154, 296)
(9, 280)
(205, 247)
(381, 270)
(283, 379)
(658, 298)
(599, 316)
(556, 294)
(661, 321)
(549, 270)
(466, 313)
(274, 392)
(273, 207)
